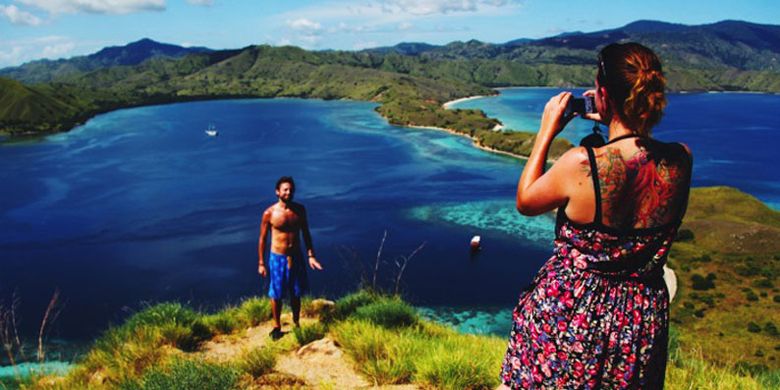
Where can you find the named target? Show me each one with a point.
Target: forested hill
(134, 53)
(410, 80)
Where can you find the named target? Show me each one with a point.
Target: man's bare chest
(285, 220)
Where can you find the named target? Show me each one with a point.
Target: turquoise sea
(139, 205)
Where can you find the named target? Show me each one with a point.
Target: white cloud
(403, 26)
(96, 6)
(17, 16)
(203, 3)
(12, 56)
(364, 45)
(57, 50)
(16, 52)
(435, 7)
(304, 24)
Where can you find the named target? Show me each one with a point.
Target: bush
(771, 329)
(254, 311)
(385, 356)
(751, 296)
(776, 298)
(763, 283)
(308, 333)
(179, 326)
(223, 322)
(684, 235)
(702, 283)
(186, 375)
(258, 361)
(753, 327)
(347, 305)
(390, 313)
(163, 313)
(461, 362)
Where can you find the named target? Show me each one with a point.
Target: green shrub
(763, 283)
(461, 362)
(776, 298)
(223, 322)
(186, 375)
(308, 333)
(751, 296)
(163, 313)
(702, 283)
(753, 327)
(254, 311)
(258, 361)
(771, 329)
(390, 313)
(384, 355)
(180, 326)
(347, 305)
(684, 235)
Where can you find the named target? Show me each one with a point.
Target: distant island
(410, 81)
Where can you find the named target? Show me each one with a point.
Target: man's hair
(285, 179)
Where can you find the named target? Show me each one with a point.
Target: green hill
(727, 263)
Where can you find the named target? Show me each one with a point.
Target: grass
(258, 361)
(384, 336)
(308, 333)
(185, 374)
(391, 345)
(727, 279)
(388, 312)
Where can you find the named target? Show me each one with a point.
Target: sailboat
(211, 131)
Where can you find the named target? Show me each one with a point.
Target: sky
(35, 29)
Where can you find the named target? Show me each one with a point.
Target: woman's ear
(602, 105)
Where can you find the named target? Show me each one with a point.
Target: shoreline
(447, 104)
(474, 142)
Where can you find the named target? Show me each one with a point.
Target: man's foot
(276, 334)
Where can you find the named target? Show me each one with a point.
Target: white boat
(211, 131)
(475, 243)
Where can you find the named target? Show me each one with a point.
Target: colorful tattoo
(642, 191)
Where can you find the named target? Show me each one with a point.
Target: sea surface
(140, 206)
(733, 136)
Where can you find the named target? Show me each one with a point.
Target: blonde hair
(635, 81)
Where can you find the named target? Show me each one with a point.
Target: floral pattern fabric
(596, 315)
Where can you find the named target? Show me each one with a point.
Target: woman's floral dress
(596, 315)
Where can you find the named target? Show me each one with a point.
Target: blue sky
(33, 29)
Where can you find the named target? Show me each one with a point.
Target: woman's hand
(592, 116)
(553, 120)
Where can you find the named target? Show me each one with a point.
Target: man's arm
(313, 263)
(263, 241)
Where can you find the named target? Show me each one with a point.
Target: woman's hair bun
(635, 81)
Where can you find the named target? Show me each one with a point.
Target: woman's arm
(539, 192)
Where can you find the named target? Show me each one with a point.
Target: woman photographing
(596, 315)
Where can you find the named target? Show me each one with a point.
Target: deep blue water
(733, 136)
(140, 205)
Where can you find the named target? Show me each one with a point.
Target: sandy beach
(465, 99)
(474, 142)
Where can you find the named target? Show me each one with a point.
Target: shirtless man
(285, 219)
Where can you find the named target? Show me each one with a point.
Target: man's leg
(276, 309)
(295, 304)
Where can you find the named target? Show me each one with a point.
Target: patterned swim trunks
(288, 276)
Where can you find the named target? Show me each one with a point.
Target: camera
(581, 106)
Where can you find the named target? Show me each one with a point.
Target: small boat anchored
(475, 243)
(211, 131)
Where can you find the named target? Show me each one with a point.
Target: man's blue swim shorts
(287, 277)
